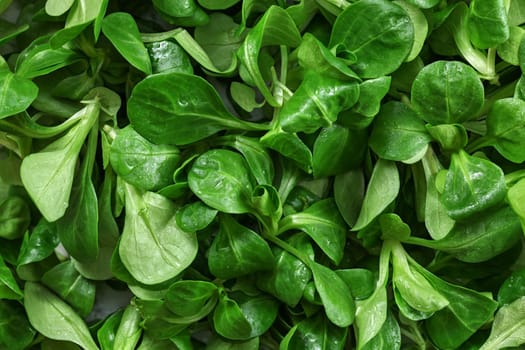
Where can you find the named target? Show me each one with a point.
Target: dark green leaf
(472, 185)
(221, 179)
(447, 92)
(237, 251)
(368, 30)
(169, 116)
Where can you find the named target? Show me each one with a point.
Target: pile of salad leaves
(262, 174)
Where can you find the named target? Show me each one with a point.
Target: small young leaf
(381, 191)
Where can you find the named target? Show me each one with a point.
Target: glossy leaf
(398, 134)
(9, 288)
(141, 163)
(389, 337)
(480, 240)
(237, 251)
(53, 318)
(322, 222)
(349, 191)
(276, 27)
(512, 288)
(488, 23)
(168, 56)
(221, 179)
(187, 298)
(220, 39)
(315, 332)
(229, 321)
(467, 312)
(15, 332)
(414, 288)
(120, 28)
(78, 228)
(335, 295)
(129, 330)
(289, 277)
(57, 8)
(368, 29)
(168, 116)
(472, 185)
(151, 234)
(506, 128)
(316, 103)
(14, 217)
(195, 216)
(74, 289)
(447, 92)
(256, 155)
(508, 329)
(16, 92)
(48, 175)
(382, 189)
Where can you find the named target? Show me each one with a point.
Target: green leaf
(168, 56)
(220, 39)
(58, 7)
(275, 27)
(389, 337)
(14, 217)
(512, 288)
(187, 298)
(168, 116)
(467, 312)
(151, 234)
(472, 185)
(16, 93)
(412, 286)
(129, 330)
(195, 216)
(141, 163)
(315, 333)
(53, 318)
(317, 103)
(9, 288)
(382, 189)
(106, 333)
(289, 277)
(16, 332)
(48, 174)
(516, 198)
(229, 320)
(371, 29)
(506, 128)
(323, 223)
(335, 295)
(398, 134)
(479, 240)
(74, 289)
(313, 55)
(508, 328)
(349, 192)
(488, 23)
(237, 251)
(221, 179)
(256, 155)
(78, 228)
(447, 92)
(120, 28)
